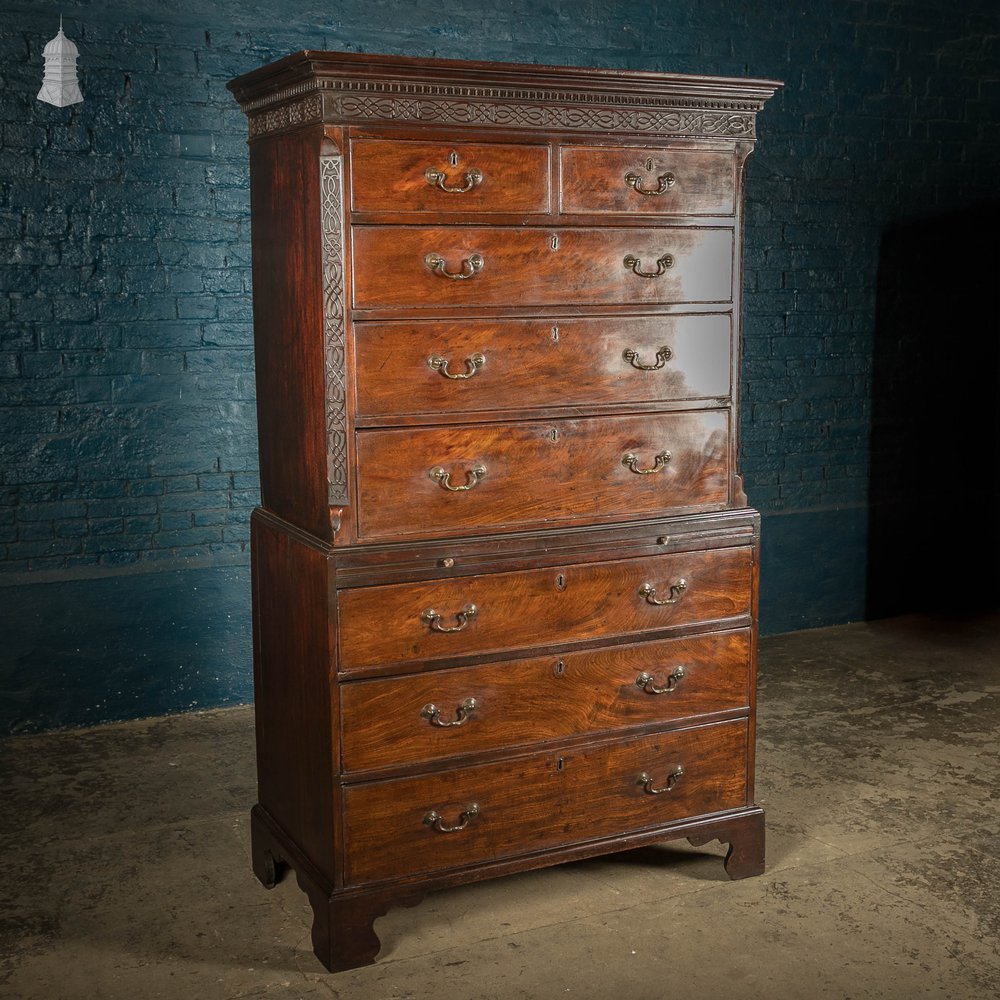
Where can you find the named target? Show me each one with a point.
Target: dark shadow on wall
(934, 502)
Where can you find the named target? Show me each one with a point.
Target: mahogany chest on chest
(504, 572)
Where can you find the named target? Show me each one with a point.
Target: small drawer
(399, 176)
(482, 615)
(647, 181)
(502, 476)
(445, 713)
(449, 266)
(435, 367)
(475, 815)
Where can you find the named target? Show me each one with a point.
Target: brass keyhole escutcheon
(560, 668)
(453, 159)
(561, 581)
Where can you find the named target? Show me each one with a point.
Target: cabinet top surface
(312, 87)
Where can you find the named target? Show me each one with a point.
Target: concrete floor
(127, 869)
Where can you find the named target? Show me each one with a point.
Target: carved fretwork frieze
(363, 106)
(306, 111)
(331, 206)
(544, 116)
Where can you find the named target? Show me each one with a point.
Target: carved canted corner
(305, 111)
(334, 345)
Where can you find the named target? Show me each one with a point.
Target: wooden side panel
(293, 701)
(540, 472)
(540, 266)
(288, 329)
(412, 367)
(541, 801)
(545, 606)
(518, 702)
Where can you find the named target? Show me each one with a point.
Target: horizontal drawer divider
(544, 220)
(365, 315)
(404, 667)
(515, 751)
(549, 413)
(553, 312)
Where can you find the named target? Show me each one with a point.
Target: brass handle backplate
(648, 684)
(648, 591)
(470, 266)
(647, 782)
(432, 713)
(663, 355)
(662, 265)
(663, 183)
(438, 178)
(473, 477)
(435, 820)
(431, 618)
(631, 462)
(472, 366)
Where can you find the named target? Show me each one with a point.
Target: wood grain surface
(695, 181)
(540, 362)
(540, 472)
(520, 266)
(391, 176)
(540, 607)
(519, 702)
(540, 801)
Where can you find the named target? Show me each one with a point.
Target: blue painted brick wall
(126, 371)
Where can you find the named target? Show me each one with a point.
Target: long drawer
(443, 713)
(435, 367)
(478, 814)
(400, 266)
(427, 481)
(437, 619)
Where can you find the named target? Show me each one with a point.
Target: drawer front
(650, 181)
(433, 481)
(394, 828)
(401, 266)
(404, 720)
(425, 367)
(393, 623)
(402, 176)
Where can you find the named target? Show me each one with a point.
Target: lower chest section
(495, 706)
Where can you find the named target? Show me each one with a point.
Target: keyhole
(560, 763)
(554, 242)
(453, 158)
(555, 334)
(554, 434)
(561, 582)
(649, 164)
(560, 668)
